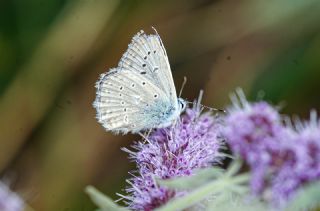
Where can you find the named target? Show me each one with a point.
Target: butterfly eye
(182, 104)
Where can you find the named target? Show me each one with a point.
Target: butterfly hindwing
(126, 101)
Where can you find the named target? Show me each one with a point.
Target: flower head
(253, 131)
(301, 163)
(281, 158)
(9, 201)
(309, 138)
(191, 143)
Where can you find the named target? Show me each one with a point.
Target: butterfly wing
(147, 55)
(127, 101)
(140, 93)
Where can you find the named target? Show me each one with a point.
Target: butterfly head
(182, 104)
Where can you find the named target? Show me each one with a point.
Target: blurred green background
(52, 52)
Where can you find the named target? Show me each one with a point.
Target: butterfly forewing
(147, 56)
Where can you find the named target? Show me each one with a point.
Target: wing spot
(125, 109)
(143, 83)
(143, 73)
(122, 102)
(154, 51)
(133, 85)
(149, 52)
(145, 57)
(121, 87)
(120, 95)
(155, 96)
(144, 65)
(155, 69)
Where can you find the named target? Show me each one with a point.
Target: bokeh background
(52, 52)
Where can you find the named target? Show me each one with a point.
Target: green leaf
(193, 181)
(102, 201)
(307, 197)
(232, 202)
(217, 186)
(234, 167)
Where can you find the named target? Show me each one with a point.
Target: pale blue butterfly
(139, 94)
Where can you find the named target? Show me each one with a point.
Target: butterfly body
(139, 94)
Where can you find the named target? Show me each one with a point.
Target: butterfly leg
(148, 133)
(145, 137)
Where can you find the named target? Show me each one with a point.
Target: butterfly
(139, 94)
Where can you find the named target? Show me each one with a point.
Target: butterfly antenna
(199, 105)
(183, 84)
(154, 29)
(203, 106)
(214, 109)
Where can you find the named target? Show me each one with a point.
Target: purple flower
(191, 143)
(253, 132)
(9, 201)
(301, 163)
(309, 137)
(282, 158)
